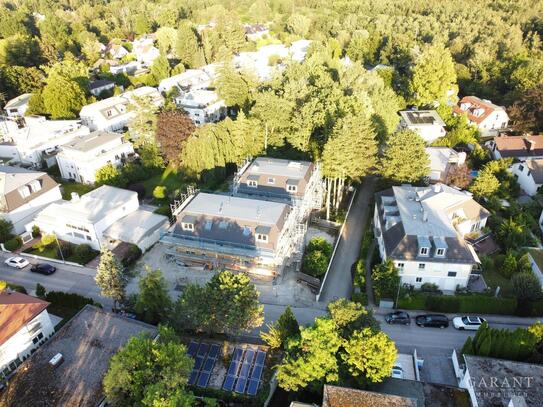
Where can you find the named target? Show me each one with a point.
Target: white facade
(202, 106)
(100, 86)
(129, 68)
(188, 80)
(80, 159)
(17, 107)
(426, 123)
(113, 114)
(36, 143)
(529, 175)
(488, 117)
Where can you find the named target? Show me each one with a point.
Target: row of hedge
(460, 303)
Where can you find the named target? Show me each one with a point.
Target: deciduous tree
(174, 127)
(405, 158)
(153, 302)
(485, 184)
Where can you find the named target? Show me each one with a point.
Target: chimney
(437, 188)
(75, 197)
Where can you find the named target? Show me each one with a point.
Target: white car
(397, 371)
(17, 262)
(468, 323)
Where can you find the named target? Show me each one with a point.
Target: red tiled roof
(16, 310)
(476, 103)
(519, 146)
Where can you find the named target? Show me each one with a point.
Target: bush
(40, 291)
(139, 188)
(134, 253)
(361, 298)
(443, 303)
(36, 231)
(14, 287)
(82, 254)
(6, 229)
(472, 304)
(430, 288)
(69, 300)
(160, 192)
(316, 257)
(13, 244)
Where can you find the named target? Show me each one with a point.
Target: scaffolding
(182, 201)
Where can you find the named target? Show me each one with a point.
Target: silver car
(468, 323)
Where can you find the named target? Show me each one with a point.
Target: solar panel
(244, 371)
(214, 351)
(240, 385)
(229, 383)
(249, 356)
(234, 366)
(198, 363)
(193, 347)
(192, 377)
(204, 379)
(208, 365)
(252, 387)
(202, 350)
(260, 358)
(257, 372)
(238, 353)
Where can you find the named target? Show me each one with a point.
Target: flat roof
(418, 118)
(279, 167)
(231, 207)
(87, 343)
(135, 226)
(91, 141)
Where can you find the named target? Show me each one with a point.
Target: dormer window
(260, 237)
(271, 181)
(262, 233)
(188, 227)
(440, 252)
(24, 191)
(292, 188)
(35, 185)
(424, 251)
(521, 167)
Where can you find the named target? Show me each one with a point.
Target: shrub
(67, 249)
(317, 256)
(361, 298)
(430, 288)
(13, 244)
(14, 287)
(443, 303)
(134, 253)
(82, 254)
(159, 192)
(471, 304)
(6, 229)
(69, 300)
(40, 291)
(139, 188)
(36, 231)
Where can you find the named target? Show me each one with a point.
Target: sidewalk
(498, 319)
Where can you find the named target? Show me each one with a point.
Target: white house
(17, 107)
(116, 51)
(94, 219)
(80, 159)
(23, 193)
(520, 147)
(427, 123)
(190, 79)
(34, 140)
(422, 230)
(298, 49)
(488, 117)
(100, 85)
(529, 175)
(129, 68)
(113, 114)
(442, 160)
(202, 106)
(25, 326)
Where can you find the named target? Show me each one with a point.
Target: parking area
(437, 368)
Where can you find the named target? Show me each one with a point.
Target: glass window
(261, 237)
(187, 226)
(271, 180)
(424, 251)
(451, 274)
(440, 252)
(292, 188)
(419, 280)
(422, 266)
(400, 265)
(252, 183)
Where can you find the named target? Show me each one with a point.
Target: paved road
(339, 281)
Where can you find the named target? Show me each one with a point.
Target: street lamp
(59, 248)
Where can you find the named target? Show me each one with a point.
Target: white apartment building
(488, 117)
(427, 123)
(190, 79)
(113, 114)
(79, 159)
(17, 107)
(203, 106)
(422, 230)
(101, 218)
(23, 193)
(25, 326)
(529, 175)
(34, 140)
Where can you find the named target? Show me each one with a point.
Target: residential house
(427, 123)
(298, 49)
(129, 68)
(144, 50)
(219, 231)
(489, 118)
(442, 160)
(34, 140)
(254, 32)
(116, 51)
(535, 256)
(529, 174)
(17, 107)
(23, 193)
(422, 229)
(98, 218)
(298, 183)
(98, 86)
(520, 147)
(79, 159)
(113, 114)
(69, 368)
(24, 326)
(203, 106)
(500, 382)
(190, 79)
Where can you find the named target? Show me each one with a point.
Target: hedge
(13, 244)
(460, 303)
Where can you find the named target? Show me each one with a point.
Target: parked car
(398, 317)
(397, 371)
(17, 262)
(432, 320)
(43, 268)
(468, 323)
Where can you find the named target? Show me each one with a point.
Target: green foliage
(235, 87)
(280, 331)
(109, 174)
(110, 277)
(153, 302)
(316, 257)
(187, 46)
(6, 230)
(485, 184)
(513, 233)
(13, 244)
(40, 291)
(160, 69)
(385, 279)
(150, 372)
(526, 286)
(405, 158)
(173, 128)
(159, 192)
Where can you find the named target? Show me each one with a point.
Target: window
(424, 251)
(451, 274)
(521, 167)
(223, 224)
(35, 185)
(292, 188)
(260, 237)
(440, 252)
(418, 279)
(208, 225)
(252, 183)
(271, 180)
(24, 191)
(400, 265)
(89, 238)
(422, 266)
(189, 227)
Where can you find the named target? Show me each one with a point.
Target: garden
(52, 248)
(317, 256)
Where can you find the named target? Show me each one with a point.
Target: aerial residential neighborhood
(271, 203)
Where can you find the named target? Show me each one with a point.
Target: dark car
(432, 320)
(398, 317)
(43, 268)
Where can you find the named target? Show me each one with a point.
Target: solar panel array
(205, 356)
(245, 371)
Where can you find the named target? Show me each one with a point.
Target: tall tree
(433, 76)
(160, 69)
(63, 98)
(166, 39)
(110, 277)
(187, 46)
(526, 286)
(485, 184)
(173, 128)
(527, 113)
(282, 330)
(405, 158)
(235, 87)
(153, 302)
(142, 127)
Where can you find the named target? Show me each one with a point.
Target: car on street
(398, 317)
(432, 320)
(468, 323)
(43, 268)
(397, 371)
(17, 262)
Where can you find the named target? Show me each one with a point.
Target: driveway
(339, 282)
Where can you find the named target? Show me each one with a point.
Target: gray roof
(92, 141)
(279, 167)
(87, 343)
(100, 83)
(18, 101)
(135, 226)
(12, 178)
(536, 169)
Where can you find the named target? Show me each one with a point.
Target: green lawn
(69, 187)
(50, 252)
(169, 179)
(494, 279)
